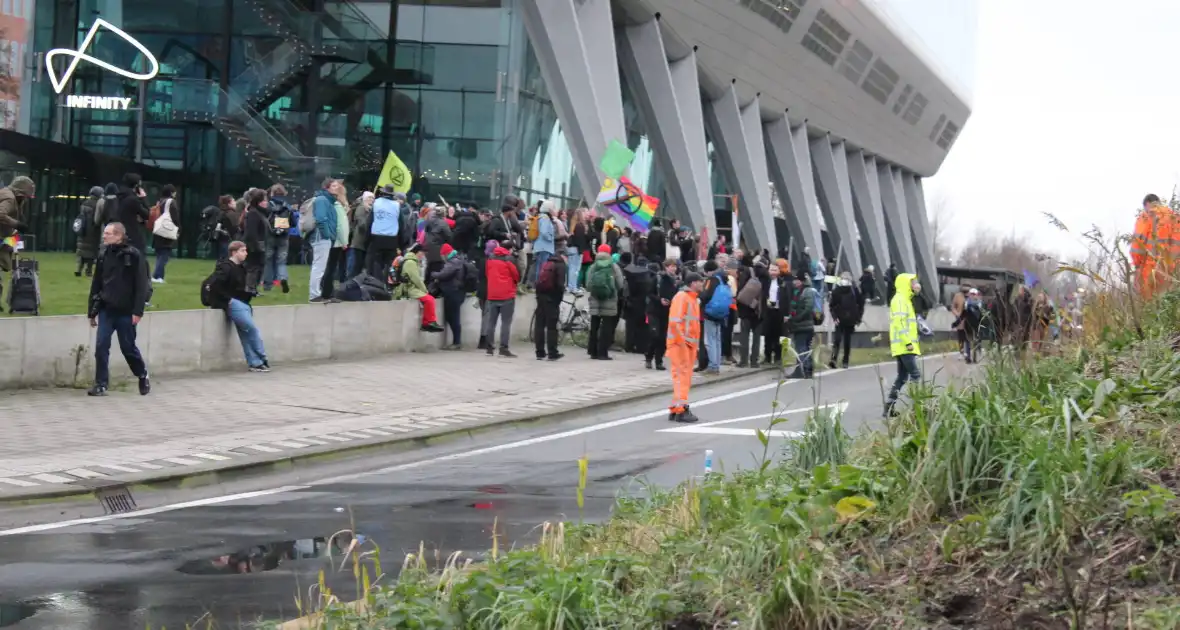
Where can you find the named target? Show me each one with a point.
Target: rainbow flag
(628, 202)
(14, 243)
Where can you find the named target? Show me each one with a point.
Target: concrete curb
(261, 464)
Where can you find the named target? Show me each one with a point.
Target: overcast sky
(1076, 110)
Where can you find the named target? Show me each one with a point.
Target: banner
(395, 172)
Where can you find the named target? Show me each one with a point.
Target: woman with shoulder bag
(165, 231)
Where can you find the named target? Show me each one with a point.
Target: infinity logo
(78, 55)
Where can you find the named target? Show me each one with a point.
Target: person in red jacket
(503, 277)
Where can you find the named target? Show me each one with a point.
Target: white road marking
(211, 456)
(734, 431)
(180, 461)
(44, 527)
(335, 438)
(147, 466)
(121, 468)
(20, 483)
(841, 407)
(47, 478)
(291, 444)
(84, 474)
(262, 449)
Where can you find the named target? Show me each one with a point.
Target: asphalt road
(245, 551)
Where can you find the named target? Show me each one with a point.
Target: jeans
(574, 262)
(222, 250)
(501, 310)
(842, 334)
(356, 261)
(452, 304)
(545, 326)
(540, 257)
(320, 252)
(242, 315)
(802, 342)
(907, 370)
(713, 342)
(163, 255)
(110, 324)
(275, 267)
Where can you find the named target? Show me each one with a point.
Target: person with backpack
(89, 232)
(544, 239)
(550, 290)
(165, 230)
(847, 304)
(318, 222)
(106, 207)
(454, 279)
(118, 295)
(228, 289)
(412, 286)
(281, 219)
(751, 281)
(503, 278)
(605, 284)
(716, 299)
(800, 323)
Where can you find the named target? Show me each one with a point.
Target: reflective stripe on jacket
(684, 319)
(903, 321)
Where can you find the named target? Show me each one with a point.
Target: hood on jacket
(603, 256)
(903, 285)
(96, 192)
(501, 251)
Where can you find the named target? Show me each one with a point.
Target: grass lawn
(64, 294)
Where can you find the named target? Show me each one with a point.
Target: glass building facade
(254, 92)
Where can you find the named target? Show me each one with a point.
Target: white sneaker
(158, 281)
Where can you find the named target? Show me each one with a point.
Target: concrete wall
(59, 351)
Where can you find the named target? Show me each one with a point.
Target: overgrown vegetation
(1043, 495)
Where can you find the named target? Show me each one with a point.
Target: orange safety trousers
(682, 359)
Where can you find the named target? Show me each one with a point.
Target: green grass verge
(1041, 495)
(62, 293)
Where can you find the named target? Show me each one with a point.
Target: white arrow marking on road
(708, 427)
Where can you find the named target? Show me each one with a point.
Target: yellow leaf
(851, 508)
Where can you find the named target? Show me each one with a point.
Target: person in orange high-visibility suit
(684, 338)
(1155, 247)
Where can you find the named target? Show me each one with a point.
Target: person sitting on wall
(229, 290)
(412, 286)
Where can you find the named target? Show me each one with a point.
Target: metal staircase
(204, 101)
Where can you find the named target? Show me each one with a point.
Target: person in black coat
(118, 295)
(657, 248)
(847, 305)
(163, 244)
(659, 302)
(255, 229)
(639, 280)
(229, 289)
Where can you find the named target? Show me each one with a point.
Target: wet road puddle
(12, 614)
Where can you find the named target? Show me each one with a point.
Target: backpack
(79, 226)
(280, 225)
(547, 281)
(307, 223)
(294, 221)
(718, 306)
(534, 227)
(751, 294)
(153, 216)
(165, 228)
(395, 273)
(601, 282)
(207, 291)
(470, 277)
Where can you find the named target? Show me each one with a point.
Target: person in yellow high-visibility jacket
(1155, 247)
(903, 336)
(684, 339)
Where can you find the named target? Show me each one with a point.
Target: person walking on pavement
(659, 302)
(801, 324)
(847, 305)
(503, 277)
(118, 294)
(229, 290)
(550, 288)
(452, 280)
(89, 233)
(684, 335)
(604, 282)
(904, 330)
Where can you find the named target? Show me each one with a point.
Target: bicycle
(572, 328)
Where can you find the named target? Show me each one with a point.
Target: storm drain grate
(116, 500)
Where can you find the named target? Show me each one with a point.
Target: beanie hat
(446, 250)
(604, 249)
(692, 277)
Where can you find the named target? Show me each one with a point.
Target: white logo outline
(80, 54)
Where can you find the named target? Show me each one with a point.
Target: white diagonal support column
(897, 223)
(668, 95)
(835, 199)
(866, 201)
(789, 159)
(586, 96)
(737, 134)
(915, 203)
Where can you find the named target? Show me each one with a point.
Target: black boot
(483, 344)
(660, 365)
(688, 416)
(647, 363)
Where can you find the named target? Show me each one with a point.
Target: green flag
(616, 159)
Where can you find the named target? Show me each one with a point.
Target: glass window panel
(479, 115)
(439, 161)
(459, 66)
(442, 114)
(479, 162)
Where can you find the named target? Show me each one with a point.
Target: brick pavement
(54, 438)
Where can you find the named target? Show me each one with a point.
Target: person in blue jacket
(323, 237)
